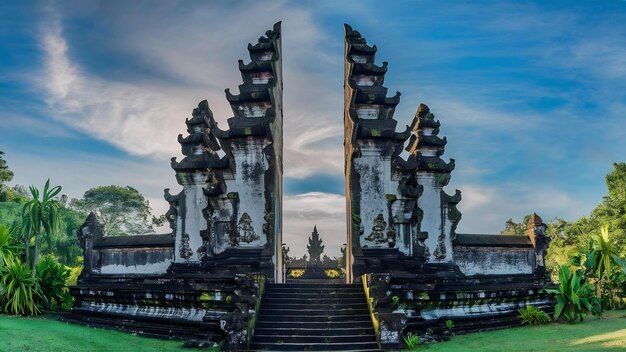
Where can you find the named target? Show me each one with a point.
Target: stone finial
(536, 232)
(535, 227)
(422, 110)
(91, 228)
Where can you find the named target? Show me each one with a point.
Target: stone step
(313, 295)
(314, 288)
(317, 318)
(313, 301)
(348, 346)
(310, 313)
(296, 305)
(305, 286)
(313, 339)
(325, 331)
(365, 323)
(148, 327)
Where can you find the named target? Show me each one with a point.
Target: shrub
(51, 276)
(72, 279)
(411, 341)
(533, 316)
(574, 296)
(18, 291)
(7, 248)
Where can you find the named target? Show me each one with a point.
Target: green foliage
(18, 290)
(395, 300)
(531, 315)
(8, 248)
(515, 228)
(575, 297)
(449, 324)
(75, 271)
(64, 245)
(52, 278)
(603, 259)
(411, 341)
(6, 174)
(40, 217)
(123, 210)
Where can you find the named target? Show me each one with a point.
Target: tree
(123, 210)
(6, 175)
(515, 228)
(40, 217)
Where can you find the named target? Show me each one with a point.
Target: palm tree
(40, 217)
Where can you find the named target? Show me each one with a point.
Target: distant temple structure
(314, 267)
(407, 269)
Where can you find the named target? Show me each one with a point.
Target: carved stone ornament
(440, 251)
(246, 231)
(185, 249)
(378, 230)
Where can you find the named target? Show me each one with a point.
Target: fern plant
(18, 290)
(533, 316)
(411, 341)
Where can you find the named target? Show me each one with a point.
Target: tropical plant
(40, 217)
(411, 341)
(18, 291)
(7, 247)
(531, 315)
(574, 296)
(52, 277)
(603, 259)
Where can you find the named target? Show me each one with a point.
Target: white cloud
(303, 211)
(486, 208)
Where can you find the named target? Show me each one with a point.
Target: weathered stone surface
(202, 281)
(402, 224)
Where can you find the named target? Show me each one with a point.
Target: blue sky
(531, 95)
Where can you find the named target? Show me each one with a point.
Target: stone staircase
(314, 317)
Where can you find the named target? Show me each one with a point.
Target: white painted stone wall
(433, 221)
(195, 202)
(191, 314)
(153, 268)
(479, 309)
(494, 260)
(135, 261)
(376, 182)
(249, 181)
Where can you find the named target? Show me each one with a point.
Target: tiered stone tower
(203, 280)
(393, 205)
(402, 240)
(439, 215)
(232, 204)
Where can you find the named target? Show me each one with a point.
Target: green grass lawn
(48, 334)
(606, 334)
